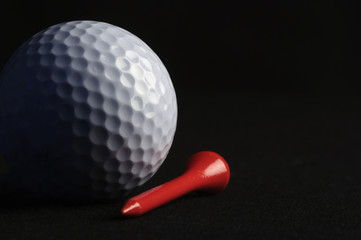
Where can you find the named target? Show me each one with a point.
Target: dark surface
(274, 87)
(295, 173)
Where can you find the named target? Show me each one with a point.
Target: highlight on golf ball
(87, 111)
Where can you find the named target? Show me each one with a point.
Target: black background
(272, 86)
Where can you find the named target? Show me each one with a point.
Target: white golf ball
(87, 110)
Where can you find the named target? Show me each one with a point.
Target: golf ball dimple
(87, 110)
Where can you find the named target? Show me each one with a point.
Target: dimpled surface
(87, 110)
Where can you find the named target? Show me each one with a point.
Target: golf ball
(87, 110)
